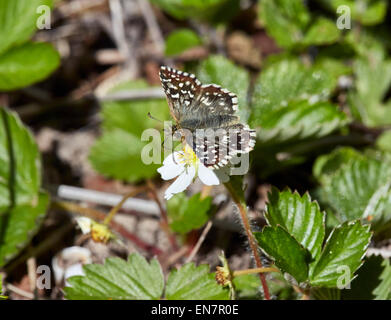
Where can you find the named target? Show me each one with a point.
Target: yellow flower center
(188, 158)
(100, 232)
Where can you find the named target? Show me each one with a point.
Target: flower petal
(171, 167)
(181, 183)
(173, 158)
(85, 224)
(207, 176)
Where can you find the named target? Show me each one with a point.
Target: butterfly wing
(208, 111)
(216, 146)
(215, 100)
(181, 89)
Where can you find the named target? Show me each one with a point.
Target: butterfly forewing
(217, 100)
(208, 113)
(181, 89)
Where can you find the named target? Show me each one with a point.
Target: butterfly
(207, 112)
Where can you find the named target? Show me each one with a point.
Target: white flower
(99, 231)
(84, 224)
(69, 262)
(186, 166)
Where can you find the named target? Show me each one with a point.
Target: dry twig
(152, 24)
(199, 242)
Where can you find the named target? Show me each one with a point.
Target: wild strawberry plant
(318, 130)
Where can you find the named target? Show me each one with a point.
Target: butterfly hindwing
(216, 146)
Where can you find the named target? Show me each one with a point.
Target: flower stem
(84, 211)
(251, 240)
(99, 216)
(254, 270)
(115, 209)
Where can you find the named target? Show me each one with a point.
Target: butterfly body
(208, 108)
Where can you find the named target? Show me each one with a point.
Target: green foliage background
(321, 108)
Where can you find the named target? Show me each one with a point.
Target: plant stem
(251, 240)
(199, 242)
(254, 270)
(84, 211)
(163, 215)
(116, 208)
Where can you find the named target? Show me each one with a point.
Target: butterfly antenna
(164, 141)
(153, 118)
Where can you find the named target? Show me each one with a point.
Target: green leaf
(247, 286)
(322, 31)
(299, 216)
(281, 287)
(326, 165)
(118, 152)
(180, 40)
(373, 281)
(288, 22)
(24, 65)
(369, 42)
(20, 167)
(291, 111)
(20, 224)
(333, 66)
(347, 176)
(383, 290)
(356, 179)
(326, 293)
(186, 214)
(137, 279)
(288, 84)
(285, 20)
(18, 21)
(342, 253)
(287, 253)
(132, 116)
(289, 80)
(383, 142)
(118, 279)
(22, 206)
(206, 10)
(366, 70)
(221, 71)
(194, 283)
(373, 80)
(300, 120)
